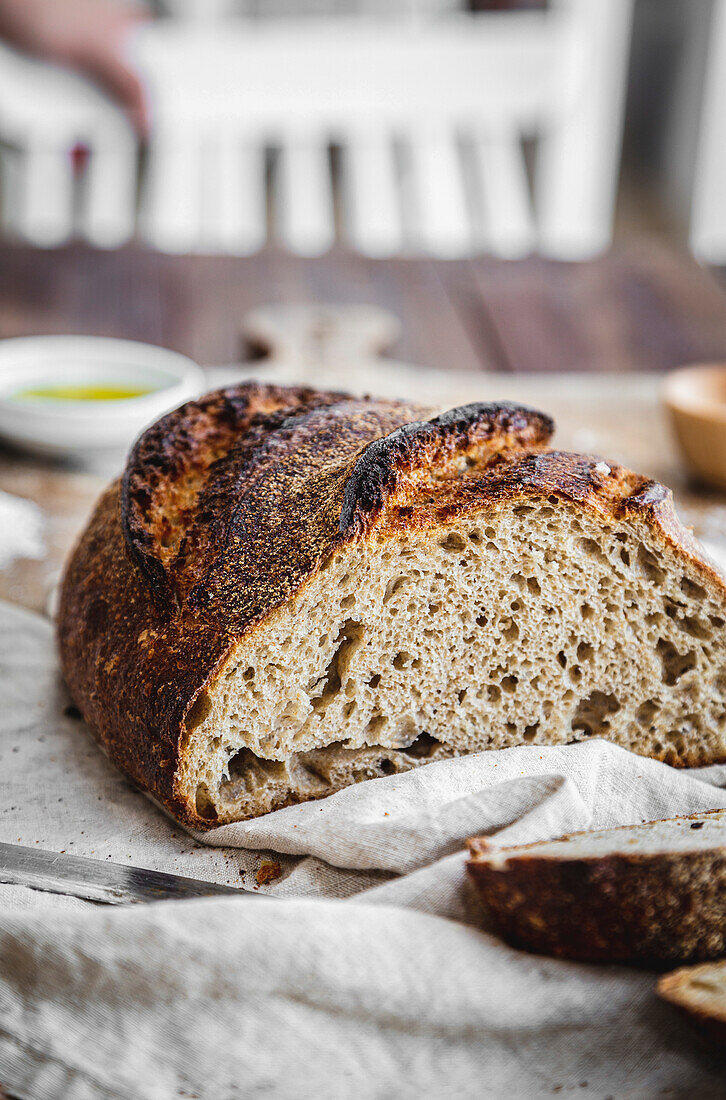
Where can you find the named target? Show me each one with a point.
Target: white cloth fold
(399, 990)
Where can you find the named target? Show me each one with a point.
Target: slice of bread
(650, 894)
(700, 992)
(292, 591)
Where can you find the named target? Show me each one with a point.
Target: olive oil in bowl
(70, 392)
(80, 396)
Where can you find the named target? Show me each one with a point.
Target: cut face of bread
(298, 591)
(700, 992)
(526, 623)
(650, 894)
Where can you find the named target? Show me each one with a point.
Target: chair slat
(440, 222)
(370, 195)
(505, 225)
(234, 208)
(172, 201)
(45, 193)
(108, 210)
(304, 218)
(578, 153)
(708, 213)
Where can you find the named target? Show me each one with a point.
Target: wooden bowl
(696, 400)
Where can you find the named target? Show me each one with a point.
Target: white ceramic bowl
(77, 427)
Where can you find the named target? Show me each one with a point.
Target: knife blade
(97, 880)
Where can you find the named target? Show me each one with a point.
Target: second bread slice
(651, 894)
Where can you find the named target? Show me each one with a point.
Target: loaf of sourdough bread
(291, 591)
(651, 894)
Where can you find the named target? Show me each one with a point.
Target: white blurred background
(396, 127)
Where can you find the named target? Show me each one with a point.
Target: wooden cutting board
(617, 416)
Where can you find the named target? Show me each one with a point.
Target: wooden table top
(642, 307)
(484, 328)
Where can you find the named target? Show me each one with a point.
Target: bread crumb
(602, 468)
(268, 871)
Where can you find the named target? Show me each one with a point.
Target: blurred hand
(87, 35)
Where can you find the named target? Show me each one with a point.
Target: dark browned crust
(674, 988)
(433, 444)
(649, 910)
(231, 503)
(169, 463)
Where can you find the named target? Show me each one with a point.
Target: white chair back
(429, 118)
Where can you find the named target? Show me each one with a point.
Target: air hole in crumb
(530, 732)
(587, 612)
(591, 548)
(674, 664)
(375, 680)
(482, 620)
(203, 802)
(650, 566)
(475, 537)
(394, 586)
(647, 711)
(585, 651)
(461, 695)
(697, 628)
(401, 660)
(716, 620)
(453, 542)
(386, 766)
(593, 713)
(534, 586)
(350, 638)
(347, 602)
(198, 711)
(423, 746)
(692, 590)
(509, 684)
(625, 557)
(490, 532)
(375, 724)
(562, 659)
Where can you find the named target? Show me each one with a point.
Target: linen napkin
(368, 971)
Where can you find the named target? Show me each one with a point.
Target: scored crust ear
(169, 463)
(469, 436)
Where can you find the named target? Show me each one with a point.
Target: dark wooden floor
(642, 307)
